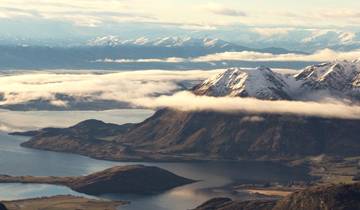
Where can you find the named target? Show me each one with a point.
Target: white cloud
(120, 86)
(269, 32)
(320, 56)
(324, 55)
(79, 12)
(338, 13)
(186, 101)
(202, 17)
(149, 60)
(141, 88)
(219, 9)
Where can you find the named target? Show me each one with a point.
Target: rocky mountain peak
(335, 77)
(260, 83)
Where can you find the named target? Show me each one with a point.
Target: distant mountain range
(210, 44)
(111, 48)
(162, 42)
(307, 42)
(171, 134)
(297, 39)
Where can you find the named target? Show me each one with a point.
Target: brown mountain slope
(241, 135)
(170, 134)
(334, 197)
(339, 197)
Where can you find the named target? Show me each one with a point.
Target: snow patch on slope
(261, 83)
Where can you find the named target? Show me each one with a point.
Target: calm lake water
(16, 160)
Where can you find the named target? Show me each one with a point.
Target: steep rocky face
(339, 197)
(261, 83)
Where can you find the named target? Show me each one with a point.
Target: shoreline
(63, 202)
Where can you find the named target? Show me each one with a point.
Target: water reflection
(20, 191)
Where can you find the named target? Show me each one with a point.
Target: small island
(133, 179)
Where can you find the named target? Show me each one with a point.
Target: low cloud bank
(22, 87)
(150, 60)
(320, 56)
(186, 101)
(324, 55)
(151, 89)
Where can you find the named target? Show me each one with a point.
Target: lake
(16, 160)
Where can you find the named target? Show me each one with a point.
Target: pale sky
(266, 17)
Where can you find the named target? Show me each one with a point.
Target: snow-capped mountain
(190, 42)
(328, 37)
(339, 79)
(113, 41)
(160, 42)
(105, 41)
(260, 83)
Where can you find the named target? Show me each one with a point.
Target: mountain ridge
(162, 42)
(338, 79)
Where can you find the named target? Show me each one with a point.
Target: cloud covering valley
(153, 90)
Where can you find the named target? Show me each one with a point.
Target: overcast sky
(50, 18)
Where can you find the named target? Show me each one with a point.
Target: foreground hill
(339, 197)
(123, 179)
